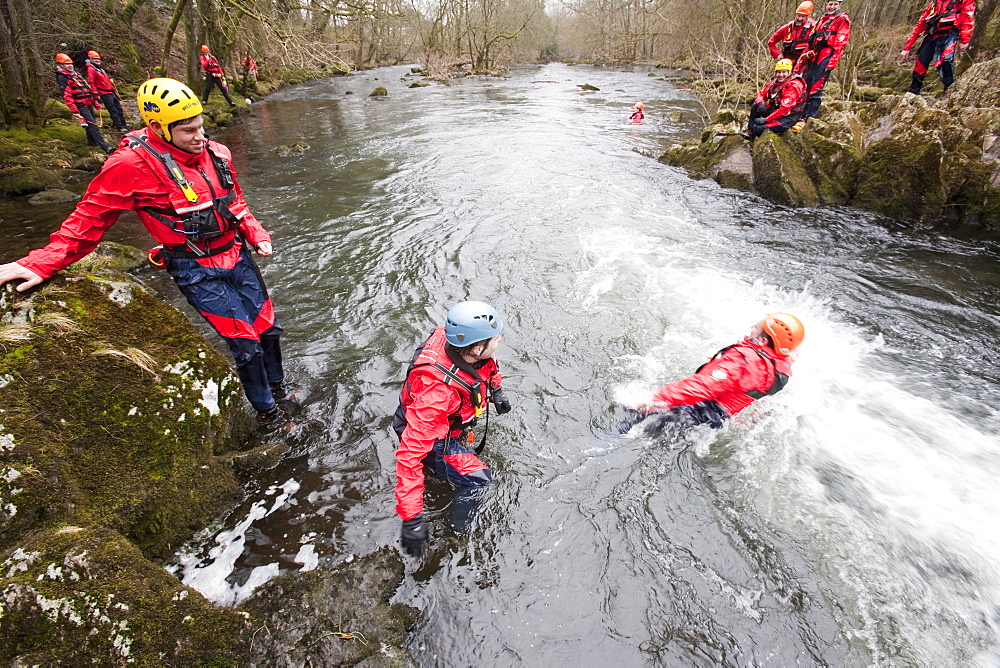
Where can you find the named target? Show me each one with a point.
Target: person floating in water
(637, 114)
(736, 376)
(449, 383)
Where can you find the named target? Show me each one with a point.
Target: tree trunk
(169, 38)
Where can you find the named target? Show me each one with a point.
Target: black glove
(501, 401)
(414, 535)
(759, 122)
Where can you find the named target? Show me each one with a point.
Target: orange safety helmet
(204, 48)
(805, 8)
(64, 59)
(639, 105)
(786, 332)
(93, 54)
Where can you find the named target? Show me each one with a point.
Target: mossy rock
(223, 119)
(779, 173)
(901, 176)
(78, 596)
(831, 165)
(114, 408)
(977, 86)
(52, 196)
(418, 84)
(334, 617)
(736, 169)
(379, 91)
(23, 180)
(700, 160)
(587, 86)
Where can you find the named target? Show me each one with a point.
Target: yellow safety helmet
(783, 65)
(166, 101)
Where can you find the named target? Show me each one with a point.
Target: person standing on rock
(826, 43)
(214, 76)
(781, 104)
(947, 26)
(184, 189)
(81, 100)
(793, 36)
(449, 384)
(736, 376)
(104, 87)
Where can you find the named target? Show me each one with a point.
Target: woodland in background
(294, 39)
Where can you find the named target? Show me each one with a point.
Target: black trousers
(114, 107)
(210, 82)
(94, 136)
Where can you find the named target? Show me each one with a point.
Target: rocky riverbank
(905, 156)
(122, 432)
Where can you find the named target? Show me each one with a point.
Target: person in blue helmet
(449, 385)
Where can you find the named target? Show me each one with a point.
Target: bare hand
(12, 271)
(264, 248)
(904, 54)
(962, 47)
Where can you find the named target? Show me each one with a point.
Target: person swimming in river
(637, 114)
(735, 377)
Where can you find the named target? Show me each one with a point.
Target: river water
(851, 519)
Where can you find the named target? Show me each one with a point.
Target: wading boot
(273, 419)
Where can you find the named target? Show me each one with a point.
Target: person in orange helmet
(793, 36)
(214, 76)
(735, 377)
(100, 81)
(81, 100)
(637, 114)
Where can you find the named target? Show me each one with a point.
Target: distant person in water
(735, 377)
(637, 114)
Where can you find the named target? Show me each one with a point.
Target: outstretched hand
(12, 271)
(264, 248)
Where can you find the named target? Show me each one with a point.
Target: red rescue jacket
(734, 378)
(77, 92)
(132, 179)
(795, 40)
(785, 98)
(943, 16)
(829, 37)
(436, 407)
(210, 65)
(98, 79)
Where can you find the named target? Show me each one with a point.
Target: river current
(852, 519)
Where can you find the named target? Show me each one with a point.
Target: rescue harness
(197, 223)
(820, 39)
(943, 22)
(780, 379)
(475, 390)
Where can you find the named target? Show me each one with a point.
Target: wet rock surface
(333, 617)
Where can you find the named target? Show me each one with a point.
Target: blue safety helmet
(471, 322)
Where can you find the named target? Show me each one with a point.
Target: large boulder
(977, 86)
(779, 173)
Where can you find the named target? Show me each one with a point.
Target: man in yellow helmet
(781, 104)
(183, 188)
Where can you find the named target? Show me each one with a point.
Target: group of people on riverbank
(809, 51)
(85, 91)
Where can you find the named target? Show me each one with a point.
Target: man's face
(96, 61)
(780, 75)
(800, 19)
(189, 136)
(67, 66)
(833, 6)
